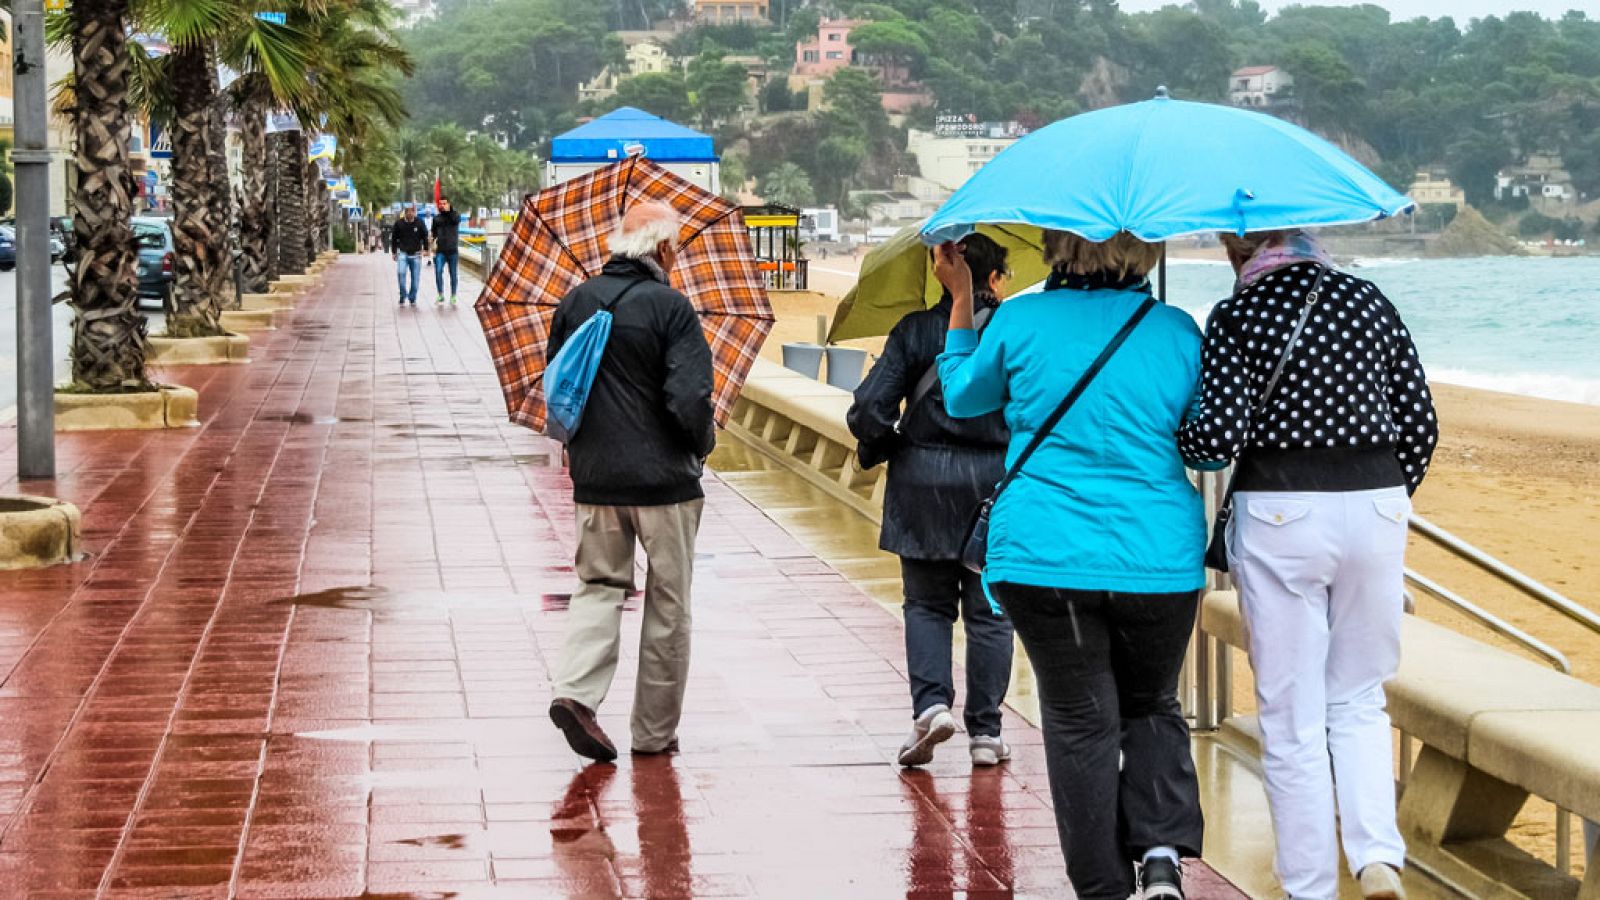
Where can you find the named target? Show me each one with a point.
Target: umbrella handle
(1240, 197)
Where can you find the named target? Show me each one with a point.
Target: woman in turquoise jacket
(1096, 548)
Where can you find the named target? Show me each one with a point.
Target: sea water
(1520, 325)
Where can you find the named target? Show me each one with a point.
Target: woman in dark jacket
(940, 471)
(1328, 453)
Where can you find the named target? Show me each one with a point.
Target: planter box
(258, 302)
(296, 281)
(169, 407)
(290, 289)
(249, 319)
(37, 532)
(199, 351)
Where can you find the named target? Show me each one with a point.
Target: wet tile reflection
(310, 658)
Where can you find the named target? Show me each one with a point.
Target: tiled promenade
(308, 657)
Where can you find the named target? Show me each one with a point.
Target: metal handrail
(1491, 621)
(1506, 573)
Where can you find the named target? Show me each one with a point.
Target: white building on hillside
(414, 11)
(1260, 86)
(644, 57)
(955, 151)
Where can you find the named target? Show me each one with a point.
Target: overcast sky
(1460, 10)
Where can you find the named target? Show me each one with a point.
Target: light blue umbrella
(1166, 168)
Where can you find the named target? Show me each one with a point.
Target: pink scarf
(1294, 248)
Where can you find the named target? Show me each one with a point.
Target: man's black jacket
(409, 237)
(447, 232)
(647, 427)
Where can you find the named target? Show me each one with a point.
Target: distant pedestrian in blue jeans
(409, 244)
(446, 249)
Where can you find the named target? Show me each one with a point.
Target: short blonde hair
(1124, 256)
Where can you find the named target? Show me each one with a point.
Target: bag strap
(608, 304)
(1076, 392)
(1312, 298)
(931, 376)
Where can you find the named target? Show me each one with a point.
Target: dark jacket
(1352, 411)
(409, 238)
(940, 469)
(647, 427)
(447, 232)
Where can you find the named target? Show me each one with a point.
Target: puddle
(448, 841)
(309, 419)
(362, 598)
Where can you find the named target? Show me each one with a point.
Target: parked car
(154, 236)
(8, 249)
(58, 242)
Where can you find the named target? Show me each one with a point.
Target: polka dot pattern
(1354, 379)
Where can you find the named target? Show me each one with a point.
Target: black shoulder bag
(975, 552)
(1217, 550)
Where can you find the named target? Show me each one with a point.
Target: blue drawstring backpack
(570, 376)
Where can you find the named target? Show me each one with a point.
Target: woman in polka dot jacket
(1317, 541)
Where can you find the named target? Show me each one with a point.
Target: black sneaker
(1160, 879)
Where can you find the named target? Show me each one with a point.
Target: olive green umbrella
(897, 279)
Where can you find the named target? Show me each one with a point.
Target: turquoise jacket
(1105, 504)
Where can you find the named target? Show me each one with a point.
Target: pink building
(829, 52)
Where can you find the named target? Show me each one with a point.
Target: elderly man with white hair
(636, 465)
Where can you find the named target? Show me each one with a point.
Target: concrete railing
(800, 423)
(1493, 728)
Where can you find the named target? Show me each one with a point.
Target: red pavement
(308, 657)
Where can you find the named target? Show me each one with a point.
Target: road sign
(160, 141)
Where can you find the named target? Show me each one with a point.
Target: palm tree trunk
(199, 244)
(291, 201)
(108, 333)
(225, 283)
(316, 209)
(255, 219)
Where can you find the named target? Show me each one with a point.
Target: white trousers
(1321, 582)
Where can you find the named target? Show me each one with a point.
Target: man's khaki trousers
(606, 539)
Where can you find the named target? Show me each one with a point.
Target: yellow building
(1436, 187)
(731, 12)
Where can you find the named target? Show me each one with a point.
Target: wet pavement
(309, 654)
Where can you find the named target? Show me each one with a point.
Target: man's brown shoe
(583, 732)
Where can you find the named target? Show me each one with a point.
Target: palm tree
(412, 151)
(185, 93)
(271, 60)
(289, 201)
(108, 333)
(349, 94)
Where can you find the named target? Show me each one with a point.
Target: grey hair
(661, 223)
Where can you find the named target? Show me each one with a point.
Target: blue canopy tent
(608, 139)
(627, 131)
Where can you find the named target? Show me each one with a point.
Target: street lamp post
(36, 405)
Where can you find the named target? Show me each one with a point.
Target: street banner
(325, 146)
(282, 121)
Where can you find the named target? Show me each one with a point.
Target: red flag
(438, 191)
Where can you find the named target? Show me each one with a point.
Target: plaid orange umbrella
(559, 242)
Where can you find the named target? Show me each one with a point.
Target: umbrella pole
(1161, 275)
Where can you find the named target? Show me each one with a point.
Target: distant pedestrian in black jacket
(446, 231)
(636, 465)
(409, 244)
(940, 471)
